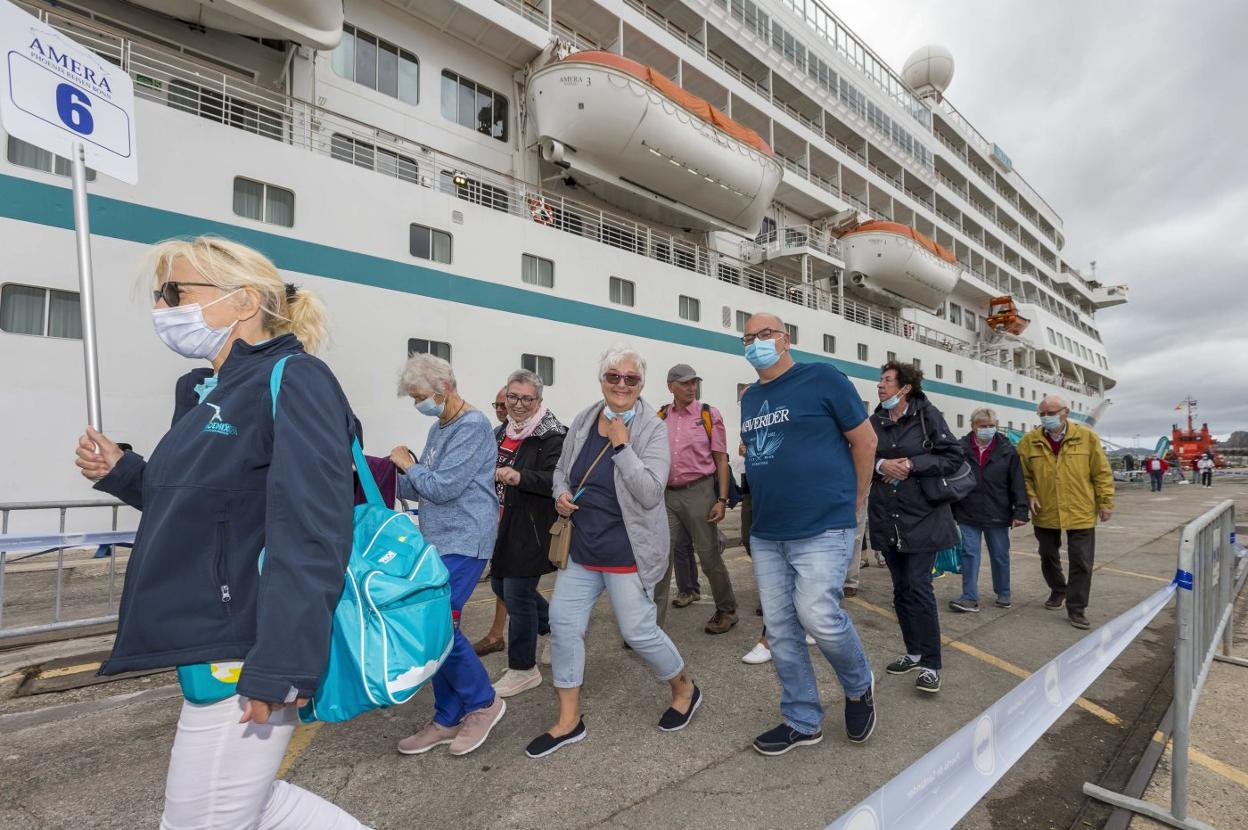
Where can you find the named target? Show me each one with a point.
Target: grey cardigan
(641, 470)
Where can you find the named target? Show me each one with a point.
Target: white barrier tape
(34, 542)
(937, 790)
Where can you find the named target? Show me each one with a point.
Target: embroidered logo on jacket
(215, 424)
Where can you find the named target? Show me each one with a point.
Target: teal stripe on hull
(46, 204)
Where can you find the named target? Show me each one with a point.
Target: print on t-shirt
(761, 441)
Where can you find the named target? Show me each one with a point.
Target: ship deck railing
(193, 84)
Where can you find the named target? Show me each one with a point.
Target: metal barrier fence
(18, 548)
(1208, 582)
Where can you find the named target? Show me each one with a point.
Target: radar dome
(929, 70)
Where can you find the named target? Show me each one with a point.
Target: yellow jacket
(1071, 486)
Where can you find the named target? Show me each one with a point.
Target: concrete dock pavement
(96, 757)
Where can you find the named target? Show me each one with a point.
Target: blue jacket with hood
(226, 481)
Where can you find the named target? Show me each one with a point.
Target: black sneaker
(545, 743)
(929, 681)
(783, 738)
(965, 606)
(673, 721)
(902, 665)
(1003, 603)
(860, 716)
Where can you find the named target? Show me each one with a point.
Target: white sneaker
(544, 659)
(514, 681)
(757, 655)
(810, 641)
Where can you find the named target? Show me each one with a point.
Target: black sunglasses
(612, 378)
(171, 292)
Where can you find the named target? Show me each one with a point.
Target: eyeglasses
(527, 400)
(499, 405)
(613, 378)
(765, 334)
(171, 292)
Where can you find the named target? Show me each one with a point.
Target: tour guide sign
(62, 97)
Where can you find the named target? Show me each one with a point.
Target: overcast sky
(1129, 118)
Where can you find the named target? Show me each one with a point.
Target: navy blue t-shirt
(599, 538)
(802, 479)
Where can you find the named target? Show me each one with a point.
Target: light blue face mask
(985, 434)
(430, 407)
(762, 354)
(892, 402)
(1052, 423)
(627, 416)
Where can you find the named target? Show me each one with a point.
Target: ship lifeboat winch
(895, 263)
(633, 137)
(1004, 317)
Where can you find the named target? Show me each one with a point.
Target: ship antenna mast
(1191, 408)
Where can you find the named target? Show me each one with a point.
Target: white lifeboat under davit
(633, 137)
(895, 262)
(314, 23)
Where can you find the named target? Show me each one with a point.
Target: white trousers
(222, 775)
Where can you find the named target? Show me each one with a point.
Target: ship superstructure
(505, 183)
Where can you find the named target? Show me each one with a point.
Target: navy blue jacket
(225, 481)
(1000, 496)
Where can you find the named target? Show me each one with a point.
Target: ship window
(766, 231)
(363, 154)
(918, 364)
(792, 332)
(416, 345)
(961, 421)
(264, 202)
(43, 312)
(743, 317)
(429, 243)
(1052, 337)
(542, 366)
(1009, 389)
(940, 371)
(24, 154)
(863, 354)
(955, 314)
(1068, 345)
(829, 343)
(994, 386)
(225, 109)
(1033, 394)
(972, 323)
(957, 375)
(372, 62)
(1022, 392)
(690, 308)
(622, 291)
(537, 271)
(474, 106)
(890, 357)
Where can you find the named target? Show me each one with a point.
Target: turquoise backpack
(392, 627)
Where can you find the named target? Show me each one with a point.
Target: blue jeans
(576, 591)
(1156, 477)
(528, 617)
(800, 586)
(998, 539)
(461, 686)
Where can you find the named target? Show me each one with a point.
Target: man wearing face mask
(1069, 486)
(809, 450)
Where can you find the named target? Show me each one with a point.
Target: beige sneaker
(431, 734)
(476, 727)
(515, 681)
(545, 658)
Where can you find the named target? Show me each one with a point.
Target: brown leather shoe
(720, 623)
(1079, 621)
(486, 646)
(850, 591)
(685, 599)
(1054, 601)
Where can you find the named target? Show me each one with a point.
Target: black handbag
(944, 489)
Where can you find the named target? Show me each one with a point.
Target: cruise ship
(507, 183)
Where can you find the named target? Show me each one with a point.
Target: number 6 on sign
(73, 106)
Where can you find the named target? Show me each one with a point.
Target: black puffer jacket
(900, 517)
(1000, 496)
(523, 542)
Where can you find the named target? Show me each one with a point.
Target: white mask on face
(183, 329)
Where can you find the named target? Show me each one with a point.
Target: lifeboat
(1004, 316)
(631, 136)
(897, 264)
(313, 23)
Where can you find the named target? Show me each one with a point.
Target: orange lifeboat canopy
(1004, 316)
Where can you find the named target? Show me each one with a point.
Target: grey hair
(424, 371)
(985, 413)
(1055, 398)
(525, 376)
(619, 353)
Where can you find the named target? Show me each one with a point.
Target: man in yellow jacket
(1069, 486)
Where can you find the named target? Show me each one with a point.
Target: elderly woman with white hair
(454, 483)
(998, 503)
(610, 480)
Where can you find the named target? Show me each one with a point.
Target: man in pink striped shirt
(697, 491)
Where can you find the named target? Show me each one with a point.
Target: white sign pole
(86, 286)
